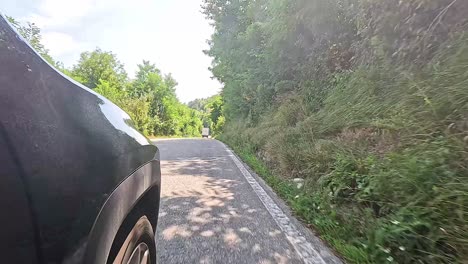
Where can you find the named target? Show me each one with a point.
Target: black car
(78, 183)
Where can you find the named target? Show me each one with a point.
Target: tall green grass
(385, 160)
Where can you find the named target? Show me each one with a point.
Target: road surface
(214, 210)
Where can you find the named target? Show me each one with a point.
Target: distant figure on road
(205, 132)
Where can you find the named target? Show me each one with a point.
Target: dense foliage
(367, 100)
(212, 112)
(149, 99)
(98, 65)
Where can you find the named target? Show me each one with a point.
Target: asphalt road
(213, 210)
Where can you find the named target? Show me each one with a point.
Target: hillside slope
(365, 100)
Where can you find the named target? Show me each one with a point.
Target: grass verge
(299, 202)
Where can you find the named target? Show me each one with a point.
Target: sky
(170, 33)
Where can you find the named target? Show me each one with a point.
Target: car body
(75, 175)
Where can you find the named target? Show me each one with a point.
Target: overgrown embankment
(365, 100)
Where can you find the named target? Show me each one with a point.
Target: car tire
(139, 247)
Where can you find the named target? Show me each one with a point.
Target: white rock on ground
(299, 182)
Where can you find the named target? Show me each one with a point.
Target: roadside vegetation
(367, 101)
(149, 98)
(211, 109)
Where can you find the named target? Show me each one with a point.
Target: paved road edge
(308, 247)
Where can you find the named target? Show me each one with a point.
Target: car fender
(119, 204)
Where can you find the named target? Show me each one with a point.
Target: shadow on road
(210, 215)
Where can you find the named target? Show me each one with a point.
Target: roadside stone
(299, 182)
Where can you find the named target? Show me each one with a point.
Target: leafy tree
(99, 65)
(212, 112)
(173, 118)
(170, 82)
(198, 104)
(32, 34)
(110, 92)
(215, 107)
(148, 77)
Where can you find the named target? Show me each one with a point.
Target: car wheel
(139, 246)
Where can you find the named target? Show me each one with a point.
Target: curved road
(214, 210)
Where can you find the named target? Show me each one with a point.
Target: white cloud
(59, 12)
(169, 33)
(60, 44)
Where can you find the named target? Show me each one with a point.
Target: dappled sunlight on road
(205, 213)
(175, 230)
